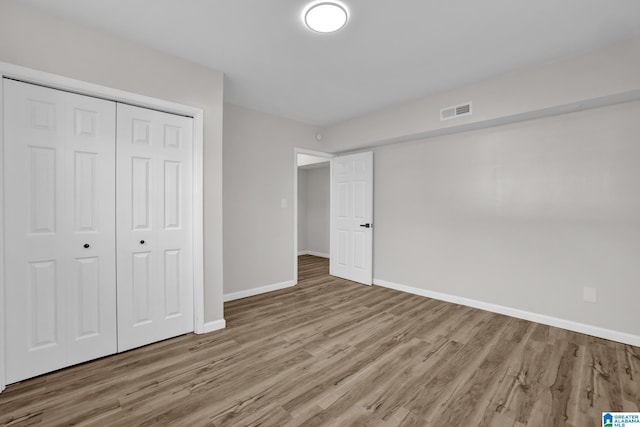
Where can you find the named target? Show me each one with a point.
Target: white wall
(302, 210)
(36, 40)
(317, 209)
(522, 216)
(259, 161)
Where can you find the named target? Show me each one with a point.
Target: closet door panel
(57, 292)
(155, 279)
(87, 298)
(137, 224)
(35, 296)
(175, 241)
(90, 166)
(141, 279)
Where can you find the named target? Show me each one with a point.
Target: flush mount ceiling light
(325, 17)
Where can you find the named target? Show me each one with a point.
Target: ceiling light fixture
(325, 17)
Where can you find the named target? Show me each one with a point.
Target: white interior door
(59, 229)
(154, 199)
(352, 217)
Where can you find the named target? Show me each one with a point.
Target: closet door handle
(86, 246)
(142, 242)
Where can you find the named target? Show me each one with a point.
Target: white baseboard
(258, 291)
(318, 254)
(214, 325)
(595, 331)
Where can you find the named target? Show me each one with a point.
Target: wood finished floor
(332, 352)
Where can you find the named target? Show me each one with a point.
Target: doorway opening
(312, 196)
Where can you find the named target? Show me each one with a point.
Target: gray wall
(313, 209)
(523, 215)
(259, 172)
(36, 40)
(318, 186)
(302, 209)
(595, 75)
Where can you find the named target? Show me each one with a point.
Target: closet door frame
(54, 81)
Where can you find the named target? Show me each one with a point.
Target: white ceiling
(392, 51)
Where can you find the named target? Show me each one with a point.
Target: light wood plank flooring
(332, 352)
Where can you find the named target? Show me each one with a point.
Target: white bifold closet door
(59, 231)
(154, 217)
(98, 228)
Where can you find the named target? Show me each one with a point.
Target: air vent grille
(456, 111)
(463, 109)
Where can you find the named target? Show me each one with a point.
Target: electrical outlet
(589, 294)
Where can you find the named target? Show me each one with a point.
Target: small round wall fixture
(325, 17)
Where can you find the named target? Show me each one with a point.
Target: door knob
(142, 242)
(86, 246)
(367, 225)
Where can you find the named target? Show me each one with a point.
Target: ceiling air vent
(455, 111)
